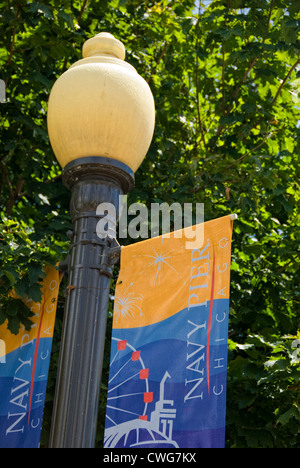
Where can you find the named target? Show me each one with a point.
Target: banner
(167, 379)
(24, 365)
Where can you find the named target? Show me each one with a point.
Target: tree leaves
(15, 312)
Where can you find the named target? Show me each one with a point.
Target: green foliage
(225, 79)
(264, 379)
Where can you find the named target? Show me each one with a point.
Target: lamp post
(100, 125)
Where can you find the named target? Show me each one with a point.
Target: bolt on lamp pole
(100, 124)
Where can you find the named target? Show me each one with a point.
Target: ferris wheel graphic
(128, 393)
(128, 397)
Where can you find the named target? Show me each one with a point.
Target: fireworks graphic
(126, 304)
(158, 260)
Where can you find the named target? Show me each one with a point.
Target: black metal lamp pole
(100, 124)
(92, 181)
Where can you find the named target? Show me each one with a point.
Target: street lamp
(100, 122)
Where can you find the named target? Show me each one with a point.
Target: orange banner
(24, 368)
(167, 381)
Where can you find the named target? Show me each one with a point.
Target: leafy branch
(200, 124)
(83, 7)
(242, 81)
(284, 81)
(11, 51)
(14, 194)
(267, 134)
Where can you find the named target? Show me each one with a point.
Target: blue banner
(24, 365)
(168, 367)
